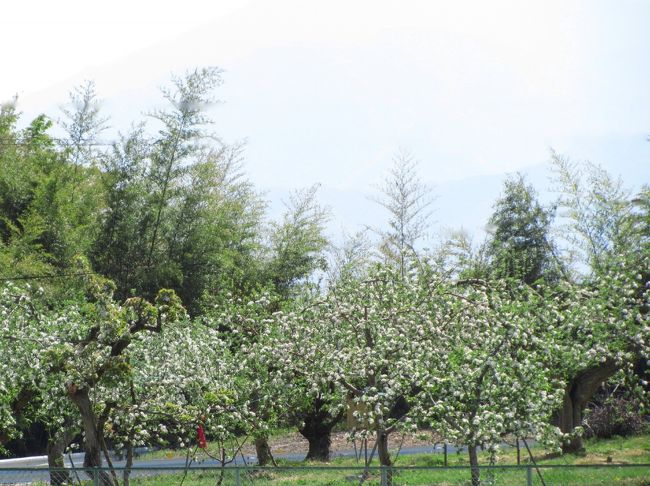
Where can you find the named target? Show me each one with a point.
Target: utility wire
(44, 277)
(59, 141)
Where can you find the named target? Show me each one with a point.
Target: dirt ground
(294, 443)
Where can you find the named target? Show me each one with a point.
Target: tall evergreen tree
(520, 244)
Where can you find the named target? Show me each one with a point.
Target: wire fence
(545, 475)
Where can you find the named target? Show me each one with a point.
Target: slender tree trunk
(126, 475)
(518, 453)
(473, 464)
(576, 396)
(384, 455)
(382, 449)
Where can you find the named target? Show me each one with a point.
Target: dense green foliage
(520, 245)
(145, 293)
(42, 226)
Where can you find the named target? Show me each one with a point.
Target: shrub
(617, 416)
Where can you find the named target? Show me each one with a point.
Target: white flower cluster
(475, 360)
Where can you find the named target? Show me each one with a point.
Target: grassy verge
(632, 476)
(608, 455)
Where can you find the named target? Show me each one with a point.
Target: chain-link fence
(623, 474)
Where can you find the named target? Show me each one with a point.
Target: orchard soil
(294, 443)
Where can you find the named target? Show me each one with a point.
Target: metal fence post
(237, 476)
(95, 476)
(384, 476)
(529, 475)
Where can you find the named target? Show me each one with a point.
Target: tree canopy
(146, 293)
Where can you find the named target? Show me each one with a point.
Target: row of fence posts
(386, 476)
(97, 482)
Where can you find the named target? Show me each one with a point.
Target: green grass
(611, 476)
(610, 453)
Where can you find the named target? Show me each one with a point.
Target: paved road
(143, 461)
(11, 473)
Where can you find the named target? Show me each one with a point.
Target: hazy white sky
(325, 91)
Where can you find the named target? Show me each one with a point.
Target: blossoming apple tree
(492, 378)
(129, 374)
(365, 337)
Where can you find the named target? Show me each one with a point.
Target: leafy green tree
(216, 237)
(179, 212)
(144, 182)
(607, 237)
(41, 227)
(520, 244)
(595, 208)
(120, 247)
(21, 250)
(297, 243)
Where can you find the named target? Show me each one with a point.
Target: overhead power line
(45, 277)
(58, 141)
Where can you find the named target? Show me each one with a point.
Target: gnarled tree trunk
(263, 451)
(317, 429)
(319, 444)
(579, 391)
(58, 474)
(55, 449)
(318, 432)
(92, 436)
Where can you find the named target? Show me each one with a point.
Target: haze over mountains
(328, 94)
